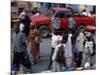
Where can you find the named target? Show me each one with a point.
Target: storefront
(20, 5)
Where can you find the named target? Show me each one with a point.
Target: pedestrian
(13, 39)
(88, 50)
(68, 54)
(72, 23)
(84, 13)
(55, 36)
(34, 39)
(58, 57)
(13, 36)
(93, 55)
(80, 40)
(35, 12)
(75, 49)
(24, 18)
(20, 47)
(22, 15)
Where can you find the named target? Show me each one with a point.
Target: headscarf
(88, 34)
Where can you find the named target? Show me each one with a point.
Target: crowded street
(52, 37)
(45, 51)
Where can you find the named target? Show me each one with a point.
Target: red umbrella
(90, 28)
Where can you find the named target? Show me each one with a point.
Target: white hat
(88, 34)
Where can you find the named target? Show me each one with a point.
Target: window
(63, 14)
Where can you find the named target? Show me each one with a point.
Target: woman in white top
(68, 50)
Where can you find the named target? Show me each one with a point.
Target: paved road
(44, 53)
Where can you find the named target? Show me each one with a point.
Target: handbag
(60, 55)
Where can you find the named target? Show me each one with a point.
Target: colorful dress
(33, 34)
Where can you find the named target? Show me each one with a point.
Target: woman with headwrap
(34, 40)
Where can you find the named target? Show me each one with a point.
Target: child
(88, 50)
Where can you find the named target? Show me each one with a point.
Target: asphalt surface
(45, 49)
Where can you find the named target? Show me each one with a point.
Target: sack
(55, 24)
(60, 55)
(27, 62)
(71, 23)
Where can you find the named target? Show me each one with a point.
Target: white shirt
(21, 27)
(68, 47)
(89, 46)
(54, 39)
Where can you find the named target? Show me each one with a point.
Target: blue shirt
(20, 42)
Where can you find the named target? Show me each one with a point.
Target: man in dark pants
(79, 60)
(20, 47)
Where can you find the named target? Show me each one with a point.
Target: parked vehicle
(58, 19)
